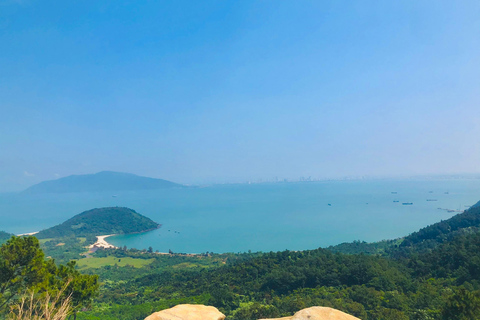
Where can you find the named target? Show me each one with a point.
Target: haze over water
(205, 92)
(259, 217)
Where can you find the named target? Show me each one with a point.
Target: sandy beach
(102, 243)
(27, 234)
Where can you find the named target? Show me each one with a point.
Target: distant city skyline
(321, 178)
(237, 91)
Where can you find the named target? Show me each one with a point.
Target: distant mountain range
(105, 181)
(101, 221)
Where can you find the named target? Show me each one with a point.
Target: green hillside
(105, 181)
(4, 236)
(431, 236)
(101, 221)
(423, 240)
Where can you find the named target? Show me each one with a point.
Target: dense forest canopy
(422, 286)
(443, 230)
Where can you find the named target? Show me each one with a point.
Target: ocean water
(258, 217)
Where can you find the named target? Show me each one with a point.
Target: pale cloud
(28, 174)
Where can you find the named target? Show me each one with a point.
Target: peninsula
(101, 221)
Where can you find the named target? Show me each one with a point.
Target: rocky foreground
(201, 312)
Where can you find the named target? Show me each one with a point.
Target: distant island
(101, 221)
(105, 181)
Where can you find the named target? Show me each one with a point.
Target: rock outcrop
(188, 312)
(201, 312)
(318, 313)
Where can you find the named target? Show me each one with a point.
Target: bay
(258, 217)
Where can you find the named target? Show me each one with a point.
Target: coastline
(27, 234)
(102, 243)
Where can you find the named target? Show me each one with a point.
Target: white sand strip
(102, 243)
(27, 234)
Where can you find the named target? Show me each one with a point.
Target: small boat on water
(396, 201)
(432, 200)
(407, 203)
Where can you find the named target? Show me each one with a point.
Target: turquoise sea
(258, 217)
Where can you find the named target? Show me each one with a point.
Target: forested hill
(101, 221)
(105, 181)
(476, 205)
(428, 237)
(423, 240)
(437, 285)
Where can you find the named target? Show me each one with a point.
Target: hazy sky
(214, 91)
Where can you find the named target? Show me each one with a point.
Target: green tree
(463, 305)
(390, 314)
(256, 310)
(23, 268)
(79, 287)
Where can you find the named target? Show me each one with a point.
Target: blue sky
(227, 91)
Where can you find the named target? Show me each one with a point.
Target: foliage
(79, 287)
(444, 230)
(23, 267)
(359, 247)
(459, 259)
(101, 221)
(64, 249)
(138, 311)
(424, 240)
(4, 236)
(463, 305)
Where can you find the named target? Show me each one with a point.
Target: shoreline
(102, 243)
(27, 234)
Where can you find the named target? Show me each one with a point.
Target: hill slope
(101, 221)
(101, 182)
(425, 239)
(431, 236)
(4, 236)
